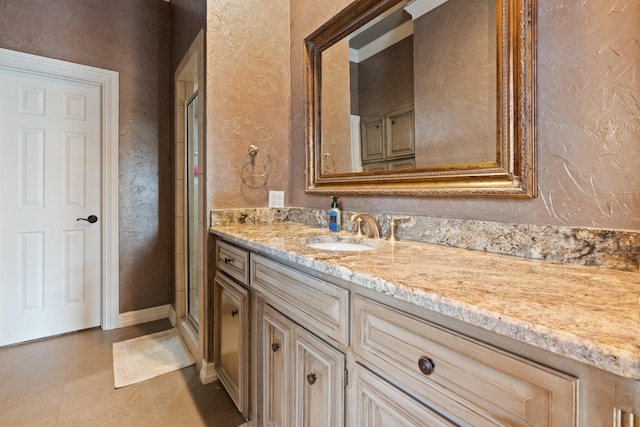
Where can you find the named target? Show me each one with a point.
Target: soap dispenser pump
(335, 216)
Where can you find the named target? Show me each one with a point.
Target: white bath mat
(145, 357)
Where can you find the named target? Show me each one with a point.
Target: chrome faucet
(374, 229)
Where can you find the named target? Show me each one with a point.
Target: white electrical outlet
(276, 199)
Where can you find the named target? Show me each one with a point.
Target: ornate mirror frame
(513, 175)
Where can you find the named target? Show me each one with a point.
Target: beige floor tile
(195, 404)
(69, 382)
(87, 360)
(39, 408)
(46, 348)
(88, 400)
(173, 399)
(32, 376)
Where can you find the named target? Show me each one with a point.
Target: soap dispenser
(335, 216)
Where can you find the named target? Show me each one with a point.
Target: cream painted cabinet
(373, 139)
(376, 403)
(627, 403)
(233, 261)
(277, 369)
(319, 306)
(232, 331)
(400, 134)
(404, 369)
(319, 381)
(470, 383)
(388, 140)
(303, 376)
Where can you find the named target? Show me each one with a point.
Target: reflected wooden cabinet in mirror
(423, 97)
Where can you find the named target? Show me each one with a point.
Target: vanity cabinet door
(319, 380)
(376, 403)
(373, 139)
(278, 382)
(376, 166)
(409, 163)
(627, 403)
(232, 312)
(400, 134)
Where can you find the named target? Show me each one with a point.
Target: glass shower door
(192, 210)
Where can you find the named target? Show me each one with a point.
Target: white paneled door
(50, 278)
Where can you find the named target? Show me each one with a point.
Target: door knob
(90, 219)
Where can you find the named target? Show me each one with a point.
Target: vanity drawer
(473, 383)
(376, 403)
(319, 306)
(233, 261)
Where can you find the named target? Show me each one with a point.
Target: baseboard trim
(131, 318)
(208, 373)
(173, 318)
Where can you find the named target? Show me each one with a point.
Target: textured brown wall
(385, 81)
(588, 121)
(247, 100)
(131, 37)
(335, 109)
(306, 17)
(188, 17)
(455, 84)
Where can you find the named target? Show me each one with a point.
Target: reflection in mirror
(432, 67)
(418, 93)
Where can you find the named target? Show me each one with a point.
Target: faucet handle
(359, 226)
(392, 227)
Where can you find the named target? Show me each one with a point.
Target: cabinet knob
(227, 260)
(311, 379)
(234, 313)
(275, 347)
(426, 365)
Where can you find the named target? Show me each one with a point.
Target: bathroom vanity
(416, 334)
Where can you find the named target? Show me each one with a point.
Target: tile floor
(68, 381)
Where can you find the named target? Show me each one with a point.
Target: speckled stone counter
(587, 314)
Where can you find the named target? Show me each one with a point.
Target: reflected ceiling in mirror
(429, 97)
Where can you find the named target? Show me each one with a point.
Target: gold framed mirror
(423, 97)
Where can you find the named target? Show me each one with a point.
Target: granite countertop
(588, 314)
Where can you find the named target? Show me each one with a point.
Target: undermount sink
(339, 246)
(342, 243)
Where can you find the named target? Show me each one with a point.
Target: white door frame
(108, 82)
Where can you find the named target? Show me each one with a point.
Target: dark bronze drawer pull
(426, 365)
(227, 260)
(275, 347)
(311, 378)
(234, 313)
